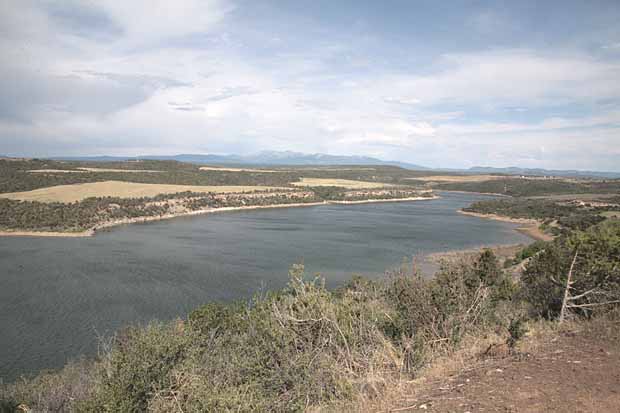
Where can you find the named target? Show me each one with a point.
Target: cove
(57, 295)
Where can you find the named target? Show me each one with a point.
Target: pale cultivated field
(296, 169)
(78, 192)
(118, 170)
(324, 168)
(457, 178)
(54, 171)
(215, 168)
(345, 183)
(84, 170)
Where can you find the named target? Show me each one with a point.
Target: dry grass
(288, 169)
(344, 183)
(118, 170)
(54, 171)
(457, 178)
(216, 168)
(78, 192)
(85, 170)
(611, 214)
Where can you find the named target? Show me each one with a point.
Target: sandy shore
(46, 234)
(529, 227)
(369, 201)
(90, 232)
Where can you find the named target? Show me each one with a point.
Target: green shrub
(138, 364)
(597, 266)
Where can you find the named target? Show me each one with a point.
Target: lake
(57, 295)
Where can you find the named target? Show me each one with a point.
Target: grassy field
(78, 192)
(344, 183)
(119, 170)
(611, 214)
(56, 171)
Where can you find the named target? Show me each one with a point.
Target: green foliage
(520, 187)
(138, 364)
(438, 312)
(51, 391)
(332, 193)
(526, 252)
(568, 216)
(597, 267)
(517, 329)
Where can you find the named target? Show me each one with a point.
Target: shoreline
(92, 231)
(529, 227)
(472, 192)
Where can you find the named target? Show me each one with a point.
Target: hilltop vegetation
(563, 215)
(306, 347)
(531, 186)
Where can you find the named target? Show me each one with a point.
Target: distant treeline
(86, 214)
(568, 216)
(519, 187)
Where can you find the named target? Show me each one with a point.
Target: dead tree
(570, 301)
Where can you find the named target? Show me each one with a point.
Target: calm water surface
(58, 294)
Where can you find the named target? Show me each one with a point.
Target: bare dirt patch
(215, 168)
(343, 183)
(55, 171)
(119, 170)
(78, 192)
(577, 371)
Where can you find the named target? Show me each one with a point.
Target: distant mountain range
(261, 158)
(298, 158)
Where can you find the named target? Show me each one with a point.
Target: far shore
(92, 231)
(530, 227)
(472, 192)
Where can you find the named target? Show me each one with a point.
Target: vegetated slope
(556, 216)
(532, 186)
(120, 189)
(306, 347)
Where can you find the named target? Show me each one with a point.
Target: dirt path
(576, 372)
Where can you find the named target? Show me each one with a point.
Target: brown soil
(574, 372)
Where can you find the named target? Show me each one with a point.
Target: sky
(437, 83)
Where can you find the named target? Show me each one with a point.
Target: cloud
(206, 76)
(513, 77)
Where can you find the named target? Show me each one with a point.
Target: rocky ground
(575, 371)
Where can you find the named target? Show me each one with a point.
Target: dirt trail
(576, 372)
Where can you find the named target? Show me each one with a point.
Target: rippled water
(58, 294)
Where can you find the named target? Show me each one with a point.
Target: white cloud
(147, 87)
(513, 77)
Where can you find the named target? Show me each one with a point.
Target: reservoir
(57, 295)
